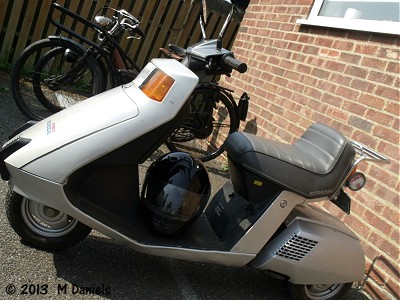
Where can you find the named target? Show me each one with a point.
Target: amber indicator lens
(157, 85)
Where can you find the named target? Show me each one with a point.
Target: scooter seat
(314, 166)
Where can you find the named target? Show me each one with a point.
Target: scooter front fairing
(123, 121)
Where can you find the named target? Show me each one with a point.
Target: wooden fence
(164, 21)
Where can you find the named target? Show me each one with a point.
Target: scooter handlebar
(233, 63)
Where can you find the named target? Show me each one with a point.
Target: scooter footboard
(315, 248)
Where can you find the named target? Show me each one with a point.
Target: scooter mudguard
(315, 248)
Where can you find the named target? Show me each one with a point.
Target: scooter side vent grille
(296, 248)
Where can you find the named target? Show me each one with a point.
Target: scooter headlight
(157, 85)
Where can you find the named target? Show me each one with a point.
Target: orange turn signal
(157, 85)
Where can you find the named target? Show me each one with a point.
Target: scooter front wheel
(318, 291)
(42, 226)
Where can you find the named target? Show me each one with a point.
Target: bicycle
(214, 111)
(57, 72)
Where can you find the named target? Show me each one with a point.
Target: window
(364, 15)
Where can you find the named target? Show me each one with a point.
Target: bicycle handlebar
(140, 32)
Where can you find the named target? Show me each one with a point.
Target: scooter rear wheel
(318, 291)
(42, 226)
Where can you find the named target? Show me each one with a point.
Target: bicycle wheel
(211, 120)
(50, 76)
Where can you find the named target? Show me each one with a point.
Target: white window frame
(352, 24)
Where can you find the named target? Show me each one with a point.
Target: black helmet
(175, 191)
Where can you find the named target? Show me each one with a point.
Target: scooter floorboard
(200, 236)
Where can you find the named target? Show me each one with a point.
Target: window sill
(353, 24)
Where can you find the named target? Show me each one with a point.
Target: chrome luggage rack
(366, 153)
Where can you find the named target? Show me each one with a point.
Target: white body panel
(100, 124)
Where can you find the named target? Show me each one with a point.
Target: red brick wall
(298, 75)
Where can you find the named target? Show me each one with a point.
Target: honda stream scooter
(78, 170)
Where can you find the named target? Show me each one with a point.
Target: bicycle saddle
(178, 50)
(314, 166)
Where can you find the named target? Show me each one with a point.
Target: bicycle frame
(109, 49)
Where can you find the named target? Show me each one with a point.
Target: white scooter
(78, 170)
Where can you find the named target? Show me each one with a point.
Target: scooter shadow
(98, 265)
(99, 262)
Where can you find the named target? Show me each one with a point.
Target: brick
(354, 107)
(390, 196)
(379, 117)
(396, 124)
(337, 114)
(345, 129)
(340, 79)
(393, 67)
(381, 77)
(362, 85)
(389, 53)
(383, 176)
(306, 39)
(295, 47)
(356, 71)
(371, 253)
(324, 42)
(291, 36)
(301, 68)
(296, 87)
(386, 92)
(393, 286)
(312, 50)
(350, 94)
(335, 66)
(366, 49)
(350, 58)
(320, 73)
(396, 235)
(386, 39)
(315, 61)
(371, 101)
(357, 224)
(313, 93)
(377, 291)
(343, 45)
(378, 223)
(375, 63)
(393, 108)
(394, 166)
(386, 134)
(364, 138)
(369, 200)
(322, 118)
(333, 100)
(299, 57)
(287, 55)
(327, 86)
(391, 214)
(360, 123)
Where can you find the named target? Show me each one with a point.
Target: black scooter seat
(314, 166)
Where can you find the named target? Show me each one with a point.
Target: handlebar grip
(234, 63)
(140, 32)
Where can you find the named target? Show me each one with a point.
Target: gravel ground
(116, 271)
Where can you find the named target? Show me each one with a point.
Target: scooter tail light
(157, 85)
(356, 181)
